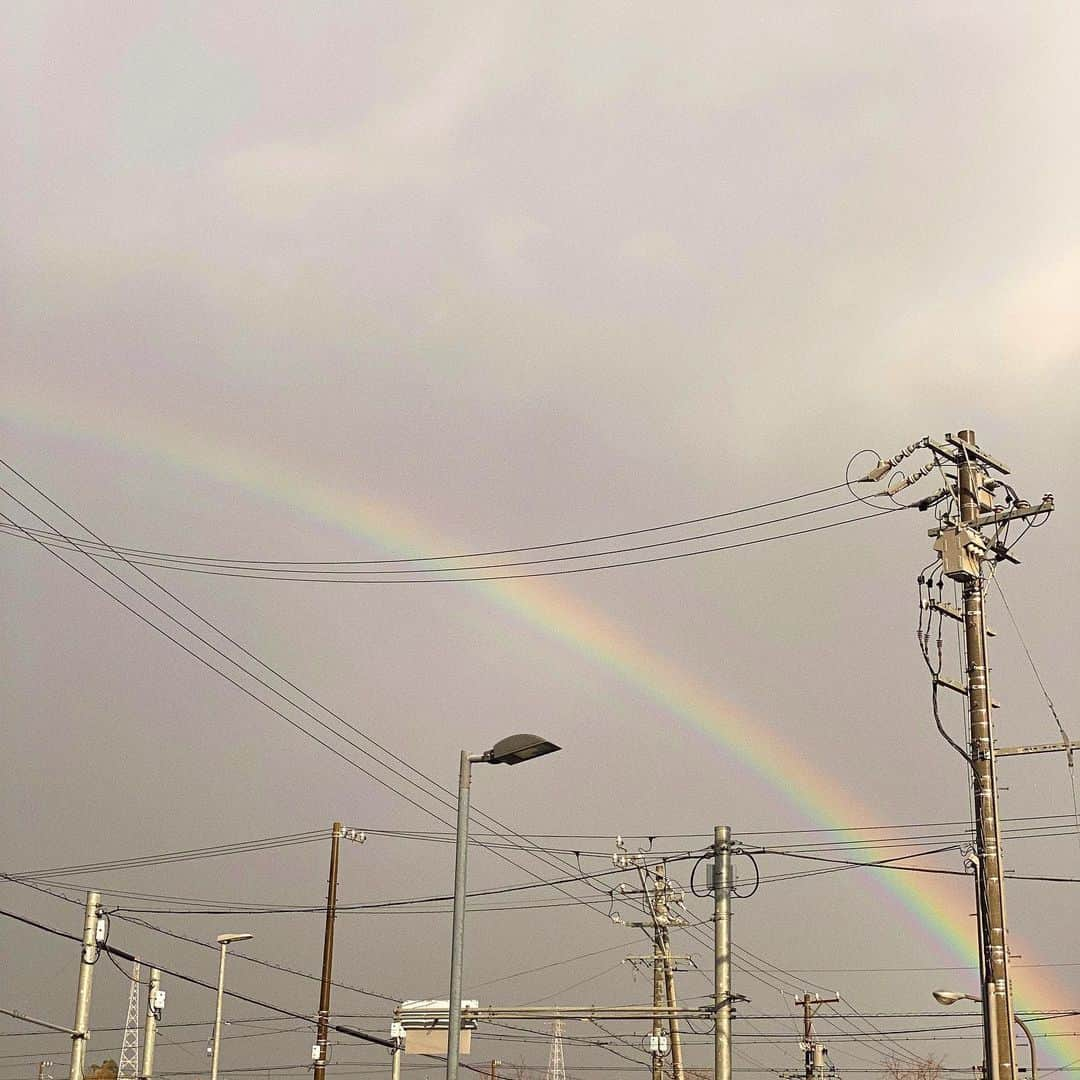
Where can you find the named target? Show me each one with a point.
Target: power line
(502, 890)
(323, 578)
(285, 573)
(206, 945)
(211, 559)
(247, 691)
(892, 864)
(269, 1006)
(240, 847)
(439, 788)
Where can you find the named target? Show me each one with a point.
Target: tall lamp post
(951, 997)
(224, 940)
(512, 750)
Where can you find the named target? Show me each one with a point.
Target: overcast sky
(331, 282)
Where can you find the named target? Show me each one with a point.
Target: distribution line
(235, 953)
(212, 559)
(284, 574)
(371, 741)
(183, 977)
(892, 864)
(644, 561)
(501, 890)
(247, 691)
(587, 903)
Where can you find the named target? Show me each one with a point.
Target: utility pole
(814, 1053)
(323, 1032)
(997, 993)
(87, 960)
(656, 1043)
(663, 941)
(722, 884)
(155, 1005)
(657, 895)
(964, 551)
(397, 1047)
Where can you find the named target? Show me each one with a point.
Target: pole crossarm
(998, 517)
(356, 1033)
(1038, 748)
(40, 1023)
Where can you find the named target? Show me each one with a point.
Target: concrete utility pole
(964, 551)
(663, 942)
(155, 1003)
(323, 1032)
(814, 1053)
(397, 1037)
(656, 893)
(997, 994)
(656, 1044)
(87, 960)
(722, 884)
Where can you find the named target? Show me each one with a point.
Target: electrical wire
(1046, 696)
(217, 559)
(450, 571)
(247, 691)
(506, 831)
(592, 904)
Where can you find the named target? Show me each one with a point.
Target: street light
(951, 997)
(512, 750)
(224, 940)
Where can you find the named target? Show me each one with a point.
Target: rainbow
(940, 911)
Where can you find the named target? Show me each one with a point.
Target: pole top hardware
(971, 450)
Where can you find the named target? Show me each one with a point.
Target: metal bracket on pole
(40, 1023)
(970, 450)
(1038, 748)
(997, 517)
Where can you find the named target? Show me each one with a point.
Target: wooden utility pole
(814, 1052)
(322, 1037)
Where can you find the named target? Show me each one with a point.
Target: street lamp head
(951, 997)
(517, 748)
(228, 939)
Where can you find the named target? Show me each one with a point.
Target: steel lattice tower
(129, 1052)
(556, 1069)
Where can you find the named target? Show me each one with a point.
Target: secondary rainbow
(555, 612)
